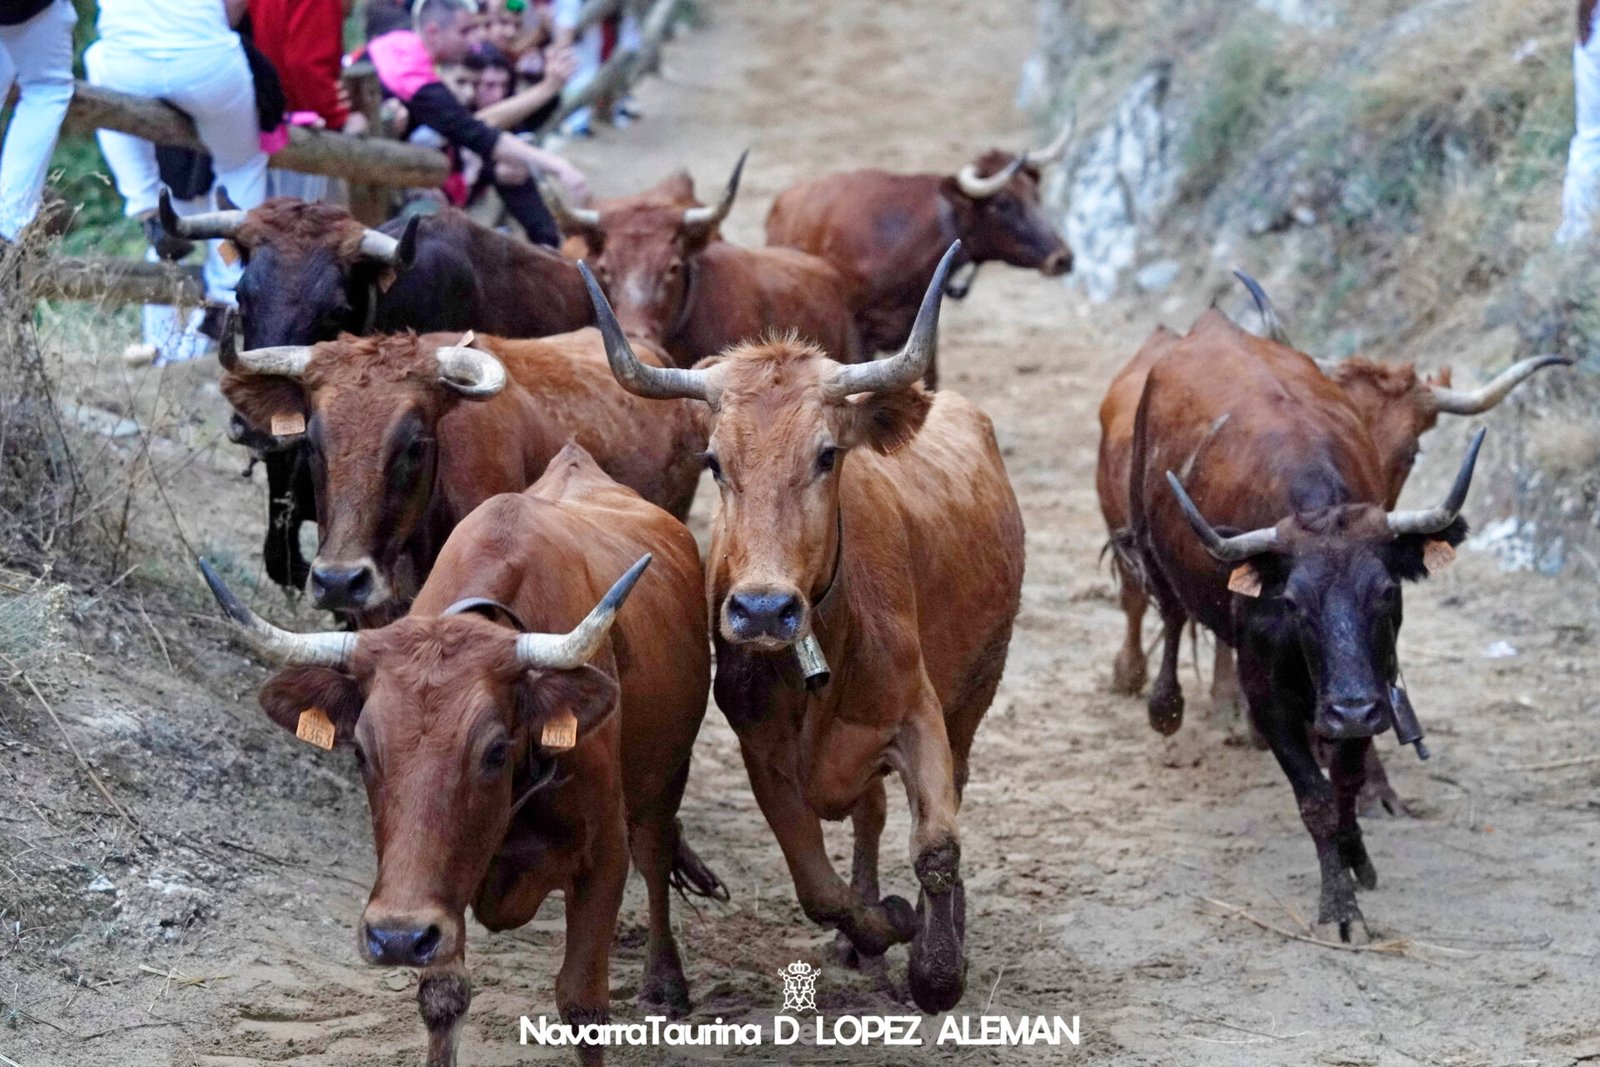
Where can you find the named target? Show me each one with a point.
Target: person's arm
(510, 112)
(434, 105)
(519, 153)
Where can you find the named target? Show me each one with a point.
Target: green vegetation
(1244, 82)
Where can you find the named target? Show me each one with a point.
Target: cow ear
(319, 705)
(561, 708)
(962, 204)
(887, 421)
(264, 399)
(1245, 580)
(1413, 557)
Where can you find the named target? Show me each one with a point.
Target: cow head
(311, 271)
(446, 717)
(1328, 583)
(369, 408)
(642, 247)
(995, 200)
(784, 417)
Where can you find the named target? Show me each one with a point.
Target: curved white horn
(288, 361)
(637, 377)
(1269, 314)
(1477, 401)
(912, 361)
(1056, 149)
(569, 219)
(470, 371)
(1435, 519)
(320, 649)
(983, 188)
(704, 218)
(563, 652)
(1227, 549)
(202, 226)
(375, 244)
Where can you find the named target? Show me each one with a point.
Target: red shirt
(304, 39)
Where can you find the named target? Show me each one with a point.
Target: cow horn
(1477, 401)
(224, 201)
(660, 383)
(983, 188)
(1435, 519)
(1227, 549)
(1055, 150)
(228, 341)
(911, 362)
(391, 251)
(203, 226)
(471, 372)
(1269, 314)
(569, 219)
(286, 361)
(332, 649)
(707, 218)
(564, 652)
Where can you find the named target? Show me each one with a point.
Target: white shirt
(164, 28)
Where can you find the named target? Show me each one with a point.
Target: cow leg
(1225, 695)
(937, 967)
(1349, 773)
(1129, 672)
(443, 996)
(286, 564)
(583, 986)
(654, 844)
(1165, 705)
(824, 896)
(866, 824)
(1376, 792)
(1290, 742)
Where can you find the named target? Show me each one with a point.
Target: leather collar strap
(822, 602)
(482, 605)
(692, 270)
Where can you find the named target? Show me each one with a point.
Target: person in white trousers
(1579, 192)
(36, 55)
(186, 53)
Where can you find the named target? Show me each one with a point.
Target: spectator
(502, 24)
(443, 34)
(1583, 157)
(527, 109)
(593, 47)
(36, 53)
(186, 53)
(304, 41)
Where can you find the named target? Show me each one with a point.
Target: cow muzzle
(407, 941)
(1056, 263)
(770, 619)
(337, 586)
(1352, 718)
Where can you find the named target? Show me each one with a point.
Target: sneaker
(166, 245)
(628, 107)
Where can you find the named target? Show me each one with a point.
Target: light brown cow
(455, 715)
(408, 434)
(869, 524)
(658, 257)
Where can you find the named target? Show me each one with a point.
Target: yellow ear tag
(1245, 580)
(1437, 556)
(315, 728)
(288, 424)
(229, 252)
(560, 731)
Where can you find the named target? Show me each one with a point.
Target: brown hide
(885, 233)
(367, 401)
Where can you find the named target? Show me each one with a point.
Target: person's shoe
(628, 108)
(166, 245)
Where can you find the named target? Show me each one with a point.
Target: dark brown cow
(885, 232)
(1252, 436)
(1397, 404)
(406, 435)
(674, 283)
(867, 525)
(454, 718)
(312, 272)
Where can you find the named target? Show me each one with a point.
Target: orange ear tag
(228, 252)
(1245, 580)
(288, 424)
(315, 728)
(1437, 556)
(560, 731)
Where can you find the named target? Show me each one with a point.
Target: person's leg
(132, 160)
(221, 98)
(1579, 191)
(39, 56)
(524, 204)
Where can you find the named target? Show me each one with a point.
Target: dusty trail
(1089, 842)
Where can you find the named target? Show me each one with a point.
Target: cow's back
(743, 294)
(1117, 413)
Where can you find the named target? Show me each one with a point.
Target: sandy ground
(1091, 846)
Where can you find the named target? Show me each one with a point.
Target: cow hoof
(669, 991)
(1166, 712)
(844, 953)
(903, 917)
(1128, 675)
(1380, 797)
(936, 973)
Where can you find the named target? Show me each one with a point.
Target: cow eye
(827, 458)
(712, 465)
(495, 756)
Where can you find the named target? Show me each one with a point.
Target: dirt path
(1089, 843)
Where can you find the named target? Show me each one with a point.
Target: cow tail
(691, 876)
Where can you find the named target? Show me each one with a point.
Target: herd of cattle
(520, 731)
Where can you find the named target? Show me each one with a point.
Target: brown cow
(408, 434)
(1397, 404)
(885, 232)
(867, 525)
(1252, 436)
(455, 719)
(676, 284)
